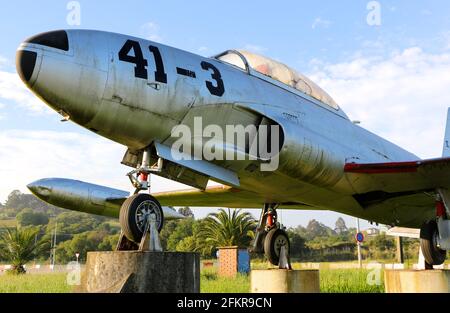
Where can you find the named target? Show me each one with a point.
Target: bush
(27, 217)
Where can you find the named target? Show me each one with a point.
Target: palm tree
(19, 246)
(226, 228)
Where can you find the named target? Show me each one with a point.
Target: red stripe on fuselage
(382, 168)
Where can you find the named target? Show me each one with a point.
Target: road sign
(359, 237)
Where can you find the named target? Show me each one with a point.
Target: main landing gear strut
(435, 235)
(136, 211)
(271, 239)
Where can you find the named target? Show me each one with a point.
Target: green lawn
(34, 283)
(211, 283)
(11, 223)
(351, 281)
(331, 281)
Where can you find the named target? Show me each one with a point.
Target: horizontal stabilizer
(404, 232)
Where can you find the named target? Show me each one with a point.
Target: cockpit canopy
(251, 61)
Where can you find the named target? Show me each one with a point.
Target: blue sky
(393, 77)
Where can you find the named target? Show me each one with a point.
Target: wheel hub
(144, 210)
(280, 241)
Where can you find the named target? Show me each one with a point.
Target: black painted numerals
(219, 89)
(140, 71)
(160, 75)
(131, 52)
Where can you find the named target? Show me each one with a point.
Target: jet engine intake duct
(311, 157)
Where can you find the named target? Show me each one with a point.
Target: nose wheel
(134, 215)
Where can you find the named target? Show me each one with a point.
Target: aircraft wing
(399, 177)
(219, 196)
(399, 189)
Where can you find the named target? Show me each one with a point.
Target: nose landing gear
(136, 211)
(271, 239)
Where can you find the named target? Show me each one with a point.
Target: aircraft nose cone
(25, 64)
(40, 188)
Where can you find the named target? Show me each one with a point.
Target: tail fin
(446, 148)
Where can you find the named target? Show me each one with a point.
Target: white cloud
(3, 61)
(320, 23)
(26, 156)
(204, 50)
(2, 116)
(254, 48)
(12, 88)
(403, 98)
(445, 38)
(151, 31)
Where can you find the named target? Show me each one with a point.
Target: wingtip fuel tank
(84, 197)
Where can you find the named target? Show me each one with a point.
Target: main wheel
(275, 239)
(428, 242)
(134, 215)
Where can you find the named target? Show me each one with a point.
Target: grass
(211, 283)
(10, 223)
(331, 281)
(351, 281)
(34, 283)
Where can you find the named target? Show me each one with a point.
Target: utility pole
(400, 256)
(53, 247)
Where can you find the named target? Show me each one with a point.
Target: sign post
(359, 239)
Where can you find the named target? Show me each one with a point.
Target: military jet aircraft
(142, 95)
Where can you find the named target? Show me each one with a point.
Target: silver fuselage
(98, 91)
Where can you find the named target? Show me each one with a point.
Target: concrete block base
(285, 281)
(417, 281)
(139, 272)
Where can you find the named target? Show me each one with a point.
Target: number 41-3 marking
(140, 69)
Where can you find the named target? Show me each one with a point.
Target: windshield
(277, 71)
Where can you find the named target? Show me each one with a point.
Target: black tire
(433, 255)
(272, 245)
(131, 227)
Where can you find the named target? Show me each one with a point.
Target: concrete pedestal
(285, 281)
(139, 272)
(417, 281)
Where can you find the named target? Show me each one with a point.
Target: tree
(317, 229)
(27, 217)
(226, 228)
(109, 243)
(82, 243)
(71, 223)
(182, 230)
(18, 201)
(297, 245)
(340, 226)
(166, 232)
(20, 246)
(186, 211)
